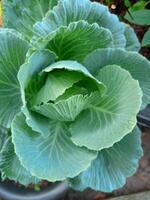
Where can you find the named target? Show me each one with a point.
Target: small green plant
(138, 14)
(127, 3)
(71, 85)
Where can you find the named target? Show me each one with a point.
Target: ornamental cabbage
(71, 85)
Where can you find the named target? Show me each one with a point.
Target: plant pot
(54, 191)
(144, 118)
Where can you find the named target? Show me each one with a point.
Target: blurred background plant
(139, 13)
(135, 12)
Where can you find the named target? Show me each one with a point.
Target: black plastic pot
(52, 192)
(144, 118)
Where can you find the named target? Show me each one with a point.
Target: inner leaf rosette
(60, 91)
(53, 95)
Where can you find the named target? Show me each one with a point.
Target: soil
(38, 187)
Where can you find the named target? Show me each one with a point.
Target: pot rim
(52, 192)
(143, 117)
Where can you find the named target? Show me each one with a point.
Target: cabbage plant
(71, 85)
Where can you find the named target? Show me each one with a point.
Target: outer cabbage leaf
(132, 42)
(75, 41)
(114, 116)
(68, 11)
(12, 56)
(11, 167)
(3, 137)
(146, 39)
(44, 157)
(112, 166)
(35, 64)
(22, 14)
(52, 3)
(136, 64)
